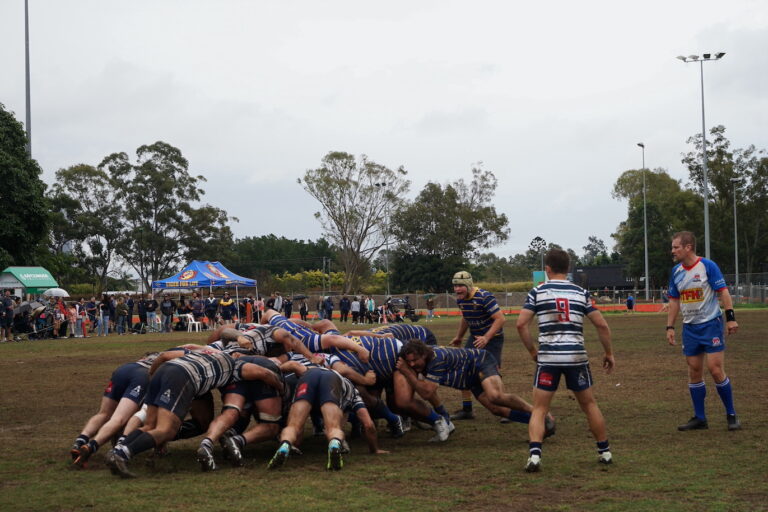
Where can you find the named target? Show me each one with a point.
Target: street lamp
(700, 60)
(735, 237)
(29, 104)
(645, 226)
(383, 186)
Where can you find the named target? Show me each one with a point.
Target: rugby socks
(81, 440)
(519, 416)
(433, 417)
(726, 395)
(380, 410)
(534, 448)
(190, 428)
(241, 424)
(239, 441)
(93, 446)
(603, 446)
(698, 394)
(440, 409)
(140, 443)
(466, 405)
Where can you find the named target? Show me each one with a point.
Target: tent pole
(237, 303)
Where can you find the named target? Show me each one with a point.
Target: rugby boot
(463, 415)
(205, 458)
(280, 456)
(441, 431)
(733, 422)
(118, 465)
(549, 426)
(605, 458)
(396, 428)
(84, 454)
(74, 451)
(232, 450)
(335, 462)
(534, 464)
(694, 423)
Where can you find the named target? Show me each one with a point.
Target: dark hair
(417, 347)
(686, 238)
(558, 260)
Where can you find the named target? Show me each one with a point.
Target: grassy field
(49, 388)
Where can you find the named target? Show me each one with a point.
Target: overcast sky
(553, 96)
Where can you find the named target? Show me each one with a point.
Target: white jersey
(696, 288)
(560, 308)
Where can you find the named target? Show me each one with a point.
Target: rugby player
(560, 307)
(470, 369)
(480, 313)
(333, 395)
(694, 288)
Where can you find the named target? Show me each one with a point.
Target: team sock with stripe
(534, 448)
(519, 416)
(440, 409)
(726, 395)
(698, 394)
(433, 417)
(466, 405)
(603, 446)
(81, 440)
(140, 443)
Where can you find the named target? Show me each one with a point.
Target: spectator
(328, 307)
(355, 308)
(246, 308)
(344, 306)
(6, 321)
(141, 309)
(59, 317)
(72, 319)
(121, 312)
(227, 308)
(320, 310)
(278, 302)
(430, 309)
(150, 306)
(197, 305)
(258, 309)
(104, 307)
(131, 304)
(211, 309)
(370, 307)
(287, 307)
(167, 308)
(82, 317)
(303, 310)
(91, 308)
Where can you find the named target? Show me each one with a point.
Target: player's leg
(125, 409)
(596, 423)
(332, 419)
(716, 367)
(698, 391)
(232, 405)
(536, 427)
(406, 403)
(296, 418)
(92, 426)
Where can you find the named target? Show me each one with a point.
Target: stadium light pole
(701, 60)
(29, 104)
(383, 186)
(735, 181)
(645, 226)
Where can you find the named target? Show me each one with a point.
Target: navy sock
(698, 394)
(466, 405)
(726, 395)
(93, 446)
(140, 443)
(534, 448)
(519, 416)
(131, 437)
(433, 417)
(190, 428)
(603, 446)
(440, 409)
(81, 440)
(380, 410)
(241, 424)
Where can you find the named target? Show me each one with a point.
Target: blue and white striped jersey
(560, 307)
(455, 367)
(308, 337)
(477, 311)
(383, 355)
(696, 288)
(207, 369)
(406, 332)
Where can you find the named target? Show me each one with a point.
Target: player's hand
(534, 355)
(387, 335)
(369, 378)
(671, 336)
(732, 327)
(400, 363)
(455, 342)
(317, 359)
(480, 341)
(608, 363)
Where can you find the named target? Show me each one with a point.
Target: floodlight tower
(645, 227)
(701, 60)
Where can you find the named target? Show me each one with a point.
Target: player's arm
(674, 309)
(604, 335)
(730, 316)
(463, 326)
(165, 356)
(369, 333)
(292, 344)
(425, 388)
(498, 323)
(369, 431)
(524, 331)
(293, 367)
(343, 343)
(251, 371)
(369, 379)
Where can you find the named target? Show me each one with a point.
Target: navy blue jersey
(477, 311)
(383, 355)
(455, 367)
(560, 308)
(405, 332)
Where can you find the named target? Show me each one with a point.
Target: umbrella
(299, 297)
(429, 295)
(55, 292)
(27, 306)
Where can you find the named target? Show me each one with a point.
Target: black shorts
(577, 377)
(171, 388)
(319, 387)
(6, 321)
(128, 381)
(487, 367)
(251, 390)
(493, 346)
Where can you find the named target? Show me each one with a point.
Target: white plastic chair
(192, 323)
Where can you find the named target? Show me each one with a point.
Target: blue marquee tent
(203, 274)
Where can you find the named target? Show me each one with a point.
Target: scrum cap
(463, 278)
